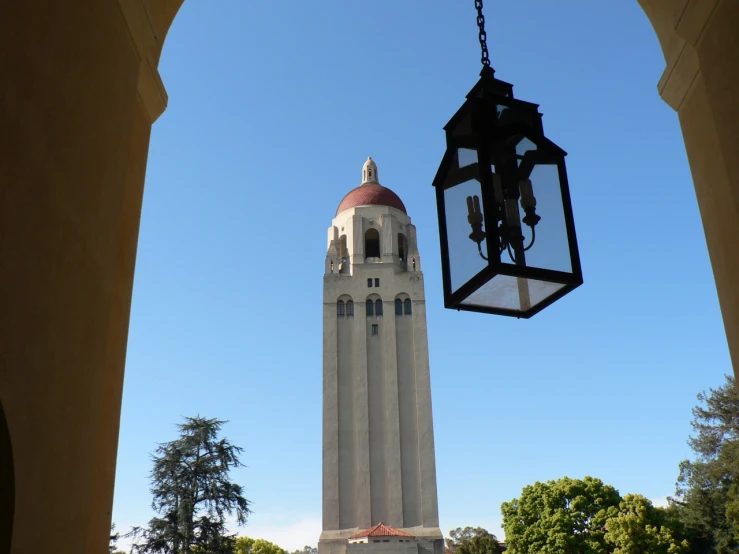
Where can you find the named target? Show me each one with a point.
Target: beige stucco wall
(700, 41)
(390, 547)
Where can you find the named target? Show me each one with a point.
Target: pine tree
(707, 499)
(192, 493)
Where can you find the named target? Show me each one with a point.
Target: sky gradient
(273, 108)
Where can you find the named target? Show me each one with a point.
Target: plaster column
(427, 453)
(76, 113)
(363, 516)
(700, 40)
(392, 418)
(331, 493)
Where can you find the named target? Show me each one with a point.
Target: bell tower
(378, 441)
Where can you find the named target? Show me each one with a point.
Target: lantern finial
(369, 172)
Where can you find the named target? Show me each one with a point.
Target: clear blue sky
(273, 108)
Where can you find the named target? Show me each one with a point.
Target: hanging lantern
(508, 242)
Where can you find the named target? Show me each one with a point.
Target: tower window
(344, 267)
(349, 307)
(402, 247)
(372, 244)
(377, 282)
(375, 330)
(398, 306)
(370, 308)
(378, 307)
(369, 283)
(340, 307)
(407, 306)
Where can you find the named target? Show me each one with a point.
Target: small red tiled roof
(371, 193)
(381, 530)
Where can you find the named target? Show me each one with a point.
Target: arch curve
(662, 15)
(376, 300)
(372, 243)
(162, 14)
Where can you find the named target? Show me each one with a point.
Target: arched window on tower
(402, 247)
(349, 307)
(378, 307)
(407, 306)
(344, 262)
(372, 244)
(370, 308)
(340, 307)
(398, 306)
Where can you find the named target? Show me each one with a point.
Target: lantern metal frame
(493, 123)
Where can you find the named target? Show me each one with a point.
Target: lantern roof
(370, 192)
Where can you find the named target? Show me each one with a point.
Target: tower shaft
(378, 441)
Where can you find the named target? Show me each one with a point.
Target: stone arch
(372, 243)
(660, 13)
(375, 301)
(7, 485)
(402, 247)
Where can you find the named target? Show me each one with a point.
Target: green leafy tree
(639, 527)
(458, 535)
(472, 540)
(707, 499)
(192, 493)
(567, 516)
(247, 545)
(306, 550)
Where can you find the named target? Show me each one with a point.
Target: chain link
(485, 59)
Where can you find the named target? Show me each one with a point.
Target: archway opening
(372, 244)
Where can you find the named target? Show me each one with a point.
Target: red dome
(371, 193)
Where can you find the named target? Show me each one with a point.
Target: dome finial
(369, 172)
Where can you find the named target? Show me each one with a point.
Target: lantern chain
(485, 59)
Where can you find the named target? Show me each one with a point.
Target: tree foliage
(560, 517)
(585, 516)
(458, 535)
(639, 527)
(707, 499)
(247, 545)
(306, 550)
(473, 540)
(113, 539)
(192, 493)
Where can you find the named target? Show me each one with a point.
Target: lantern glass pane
(511, 293)
(523, 146)
(464, 258)
(466, 157)
(551, 249)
